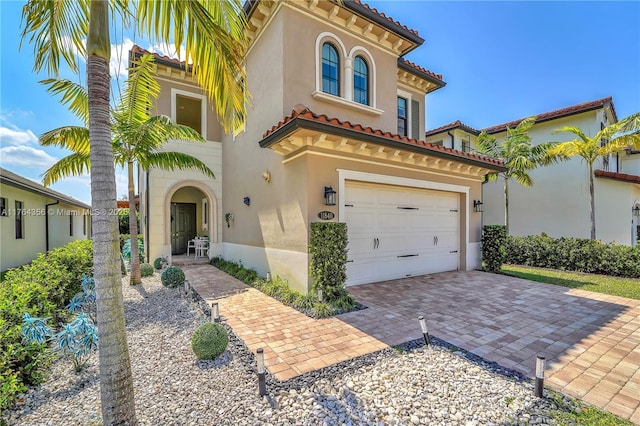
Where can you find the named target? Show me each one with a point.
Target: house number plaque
(326, 215)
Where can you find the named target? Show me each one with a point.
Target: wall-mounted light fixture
(636, 210)
(247, 201)
(266, 176)
(477, 206)
(329, 196)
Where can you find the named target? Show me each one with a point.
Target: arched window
(360, 81)
(330, 70)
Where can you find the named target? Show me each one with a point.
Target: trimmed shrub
(146, 269)
(328, 250)
(494, 251)
(159, 262)
(172, 277)
(209, 341)
(123, 220)
(574, 254)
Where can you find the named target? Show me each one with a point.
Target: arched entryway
(189, 210)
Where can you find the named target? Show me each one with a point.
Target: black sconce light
(477, 206)
(329, 196)
(636, 210)
(247, 201)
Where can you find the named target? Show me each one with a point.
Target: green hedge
(123, 220)
(574, 254)
(494, 240)
(42, 288)
(328, 250)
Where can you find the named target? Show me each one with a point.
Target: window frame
(366, 78)
(70, 223)
(3, 206)
(19, 220)
(203, 107)
(338, 69)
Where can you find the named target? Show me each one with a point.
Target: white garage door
(396, 232)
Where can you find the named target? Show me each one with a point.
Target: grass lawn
(625, 287)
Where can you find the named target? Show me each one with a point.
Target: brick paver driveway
(591, 341)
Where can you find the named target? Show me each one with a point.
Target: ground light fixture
(425, 331)
(540, 366)
(329, 196)
(215, 312)
(262, 383)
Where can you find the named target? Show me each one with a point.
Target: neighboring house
(335, 107)
(558, 202)
(35, 219)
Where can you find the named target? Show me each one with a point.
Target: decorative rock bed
(409, 385)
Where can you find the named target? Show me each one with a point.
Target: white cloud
(119, 61)
(26, 156)
(12, 136)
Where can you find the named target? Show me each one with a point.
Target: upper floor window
(402, 116)
(188, 112)
(330, 70)
(361, 81)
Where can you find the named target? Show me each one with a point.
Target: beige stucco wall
(15, 252)
(613, 210)
(558, 202)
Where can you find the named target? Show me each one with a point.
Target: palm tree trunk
(506, 203)
(116, 382)
(593, 203)
(135, 277)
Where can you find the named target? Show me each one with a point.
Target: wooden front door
(183, 226)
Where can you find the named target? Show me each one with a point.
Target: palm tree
(602, 144)
(136, 137)
(215, 43)
(519, 156)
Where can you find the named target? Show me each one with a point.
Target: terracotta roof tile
(388, 18)
(421, 69)
(456, 124)
(301, 112)
(137, 50)
(558, 113)
(618, 176)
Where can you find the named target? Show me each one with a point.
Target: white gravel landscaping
(417, 386)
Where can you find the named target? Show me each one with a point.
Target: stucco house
(335, 132)
(558, 202)
(35, 219)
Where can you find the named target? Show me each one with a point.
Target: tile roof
(618, 176)
(455, 125)
(422, 70)
(301, 114)
(12, 179)
(388, 18)
(137, 51)
(562, 112)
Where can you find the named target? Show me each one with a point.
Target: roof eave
(423, 75)
(21, 185)
(300, 122)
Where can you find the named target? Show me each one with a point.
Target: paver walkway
(293, 343)
(591, 341)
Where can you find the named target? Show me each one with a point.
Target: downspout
(452, 140)
(46, 223)
(146, 215)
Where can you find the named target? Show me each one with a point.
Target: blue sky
(501, 61)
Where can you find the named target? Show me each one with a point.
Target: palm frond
(213, 33)
(140, 89)
(73, 138)
(72, 165)
(172, 161)
(57, 29)
(73, 95)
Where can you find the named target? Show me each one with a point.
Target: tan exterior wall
(16, 252)
(558, 202)
(613, 211)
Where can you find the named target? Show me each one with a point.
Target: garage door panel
(398, 231)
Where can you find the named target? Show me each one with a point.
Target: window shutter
(415, 119)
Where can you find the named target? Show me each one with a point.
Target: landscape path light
(540, 366)
(262, 384)
(425, 331)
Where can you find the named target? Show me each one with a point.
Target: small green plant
(321, 310)
(328, 250)
(172, 277)
(77, 339)
(509, 400)
(160, 262)
(146, 269)
(209, 341)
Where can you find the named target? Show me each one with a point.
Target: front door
(183, 226)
